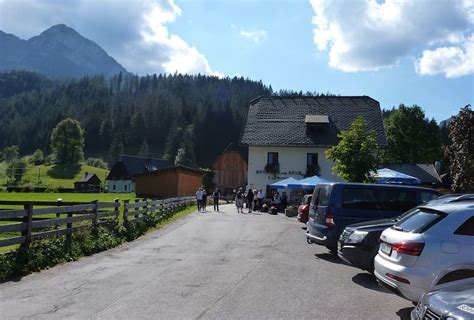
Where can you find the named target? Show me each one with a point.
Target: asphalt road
(206, 266)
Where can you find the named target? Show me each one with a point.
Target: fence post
(95, 211)
(69, 232)
(58, 214)
(136, 208)
(29, 225)
(125, 211)
(116, 209)
(146, 207)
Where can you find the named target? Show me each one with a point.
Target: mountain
(57, 51)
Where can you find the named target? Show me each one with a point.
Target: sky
(396, 51)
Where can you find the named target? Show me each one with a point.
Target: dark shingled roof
(131, 166)
(280, 121)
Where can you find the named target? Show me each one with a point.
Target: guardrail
(59, 218)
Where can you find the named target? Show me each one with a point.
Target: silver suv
(427, 249)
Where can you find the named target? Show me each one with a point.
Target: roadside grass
(69, 197)
(53, 176)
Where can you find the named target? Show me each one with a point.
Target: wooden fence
(42, 219)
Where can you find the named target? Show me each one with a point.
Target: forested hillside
(199, 114)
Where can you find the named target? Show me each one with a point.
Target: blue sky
(411, 52)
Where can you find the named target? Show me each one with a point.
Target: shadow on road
(404, 313)
(368, 281)
(329, 257)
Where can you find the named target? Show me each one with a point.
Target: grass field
(53, 176)
(69, 197)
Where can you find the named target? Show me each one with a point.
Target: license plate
(385, 248)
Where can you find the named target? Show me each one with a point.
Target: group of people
(201, 198)
(252, 198)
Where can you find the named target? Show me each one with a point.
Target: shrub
(96, 162)
(37, 157)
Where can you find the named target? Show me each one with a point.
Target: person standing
(260, 196)
(277, 201)
(199, 198)
(255, 201)
(284, 201)
(216, 195)
(239, 200)
(250, 200)
(204, 200)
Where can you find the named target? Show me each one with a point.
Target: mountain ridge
(57, 51)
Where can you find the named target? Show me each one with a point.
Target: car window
(323, 197)
(457, 275)
(428, 196)
(392, 199)
(419, 221)
(467, 228)
(359, 198)
(307, 199)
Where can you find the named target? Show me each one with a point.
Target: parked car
(359, 243)
(303, 208)
(334, 206)
(428, 248)
(452, 302)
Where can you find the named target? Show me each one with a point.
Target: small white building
(121, 178)
(288, 136)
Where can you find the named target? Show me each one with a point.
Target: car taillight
(330, 220)
(410, 248)
(305, 209)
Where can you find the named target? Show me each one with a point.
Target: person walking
(199, 198)
(216, 195)
(250, 200)
(239, 200)
(204, 200)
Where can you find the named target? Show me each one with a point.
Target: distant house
(287, 136)
(90, 182)
(425, 172)
(230, 169)
(169, 182)
(121, 178)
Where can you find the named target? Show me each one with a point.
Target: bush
(37, 157)
(16, 169)
(96, 162)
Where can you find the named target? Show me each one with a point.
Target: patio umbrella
(390, 176)
(283, 183)
(307, 183)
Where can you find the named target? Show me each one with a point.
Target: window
(113, 187)
(428, 196)
(323, 197)
(311, 159)
(457, 275)
(359, 198)
(125, 187)
(272, 158)
(467, 228)
(420, 221)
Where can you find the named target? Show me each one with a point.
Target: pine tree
(116, 149)
(144, 150)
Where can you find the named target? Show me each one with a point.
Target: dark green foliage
(15, 170)
(11, 154)
(116, 149)
(144, 150)
(460, 151)
(411, 137)
(159, 108)
(356, 153)
(37, 157)
(67, 142)
(96, 162)
(208, 180)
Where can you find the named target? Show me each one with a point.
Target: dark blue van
(337, 205)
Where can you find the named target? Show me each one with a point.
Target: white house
(121, 178)
(287, 136)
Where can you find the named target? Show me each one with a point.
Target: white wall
(120, 186)
(292, 162)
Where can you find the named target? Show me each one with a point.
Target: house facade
(230, 169)
(174, 181)
(121, 178)
(288, 136)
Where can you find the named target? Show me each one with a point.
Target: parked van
(337, 205)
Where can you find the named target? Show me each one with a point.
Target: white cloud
(135, 33)
(256, 36)
(452, 61)
(368, 35)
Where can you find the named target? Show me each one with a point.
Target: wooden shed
(230, 169)
(90, 182)
(169, 182)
